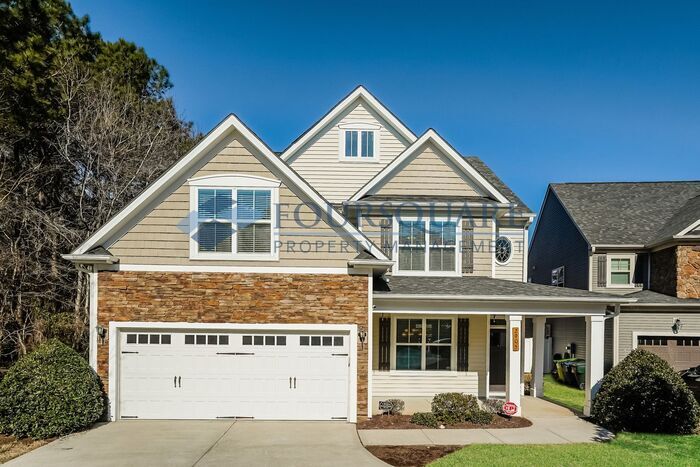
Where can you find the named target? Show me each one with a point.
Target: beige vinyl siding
(650, 323)
(483, 233)
(428, 173)
(337, 180)
(424, 384)
(609, 290)
(568, 330)
(161, 237)
(513, 269)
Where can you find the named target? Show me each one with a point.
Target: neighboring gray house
(638, 239)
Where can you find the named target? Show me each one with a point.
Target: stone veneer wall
(688, 282)
(234, 298)
(663, 271)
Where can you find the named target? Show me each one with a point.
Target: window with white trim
(423, 344)
(233, 222)
(620, 270)
(427, 246)
(358, 144)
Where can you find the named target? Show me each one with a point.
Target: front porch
(417, 356)
(422, 344)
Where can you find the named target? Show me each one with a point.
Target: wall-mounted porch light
(677, 325)
(101, 333)
(362, 336)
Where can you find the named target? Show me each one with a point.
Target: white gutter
(370, 263)
(657, 305)
(503, 298)
(619, 246)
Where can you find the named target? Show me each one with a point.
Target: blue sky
(542, 91)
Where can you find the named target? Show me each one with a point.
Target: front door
(497, 358)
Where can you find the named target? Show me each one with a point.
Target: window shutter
(386, 237)
(384, 344)
(602, 271)
(463, 344)
(467, 247)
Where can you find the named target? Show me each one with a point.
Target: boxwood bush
(453, 407)
(644, 394)
(425, 419)
(50, 392)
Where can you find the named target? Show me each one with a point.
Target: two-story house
(362, 263)
(638, 240)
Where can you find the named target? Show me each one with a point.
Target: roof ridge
(625, 182)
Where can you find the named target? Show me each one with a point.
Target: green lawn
(561, 394)
(626, 450)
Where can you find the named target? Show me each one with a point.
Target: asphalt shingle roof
(639, 213)
(648, 296)
(476, 286)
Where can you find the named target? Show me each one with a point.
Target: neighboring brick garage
(235, 298)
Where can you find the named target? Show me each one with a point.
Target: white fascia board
(622, 246)
(90, 259)
(661, 305)
(214, 137)
(432, 136)
(690, 228)
(505, 298)
(359, 92)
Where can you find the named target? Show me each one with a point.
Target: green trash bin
(580, 374)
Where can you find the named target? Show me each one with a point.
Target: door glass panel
(155, 339)
(189, 339)
(258, 340)
(304, 340)
(131, 338)
(223, 340)
(269, 340)
(315, 340)
(201, 339)
(327, 340)
(281, 340)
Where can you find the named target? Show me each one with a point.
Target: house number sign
(516, 339)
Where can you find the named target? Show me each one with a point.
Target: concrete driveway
(206, 443)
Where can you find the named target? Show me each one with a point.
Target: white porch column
(595, 345)
(538, 357)
(513, 368)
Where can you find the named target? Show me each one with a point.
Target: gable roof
(630, 213)
(215, 136)
(358, 93)
(431, 136)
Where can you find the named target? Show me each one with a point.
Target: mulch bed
(11, 447)
(402, 422)
(410, 456)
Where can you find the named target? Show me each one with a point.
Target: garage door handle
(179, 381)
(295, 382)
(290, 382)
(174, 381)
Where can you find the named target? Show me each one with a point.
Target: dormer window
(358, 143)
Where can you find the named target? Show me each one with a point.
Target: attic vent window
(504, 249)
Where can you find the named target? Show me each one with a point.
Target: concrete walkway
(551, 424)
(206, 443)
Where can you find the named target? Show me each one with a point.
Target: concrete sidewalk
(551, 424)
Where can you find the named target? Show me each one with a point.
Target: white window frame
(495, 249)
(423, 345)
(233, 182)
(359, 127)
(426, 271)
(630, 256)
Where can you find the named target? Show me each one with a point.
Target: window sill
(229, 257)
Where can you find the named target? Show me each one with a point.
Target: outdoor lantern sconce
(101, 333)
(362, 336)
(677, 325)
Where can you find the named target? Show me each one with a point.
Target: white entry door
(173, 374)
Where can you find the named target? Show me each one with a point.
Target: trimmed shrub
(50, 392)
(481, 417)
(493, 406)
(644, 394)
(454, 407)
(397, 406)
(425, 419)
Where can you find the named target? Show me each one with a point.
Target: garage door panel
(203, 375)
(682, 352)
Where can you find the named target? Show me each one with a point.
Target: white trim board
(115, 327)
(215, 136)
(433, 137)
(358, 93)
(222, 268)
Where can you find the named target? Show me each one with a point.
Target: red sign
(509, 408)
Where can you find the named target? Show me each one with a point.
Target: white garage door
(216, 374)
